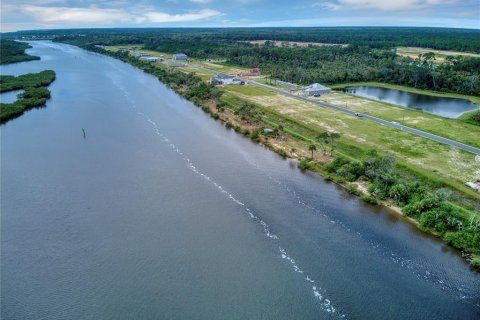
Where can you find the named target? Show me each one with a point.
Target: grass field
(249, 91)
(440, 55)
(445, 127)
(441, 162)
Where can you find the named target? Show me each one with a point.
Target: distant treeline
(377, 37)
(371, 60)
(13, 51)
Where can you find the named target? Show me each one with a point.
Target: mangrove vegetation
(35, 92)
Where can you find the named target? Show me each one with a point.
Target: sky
(61, 14)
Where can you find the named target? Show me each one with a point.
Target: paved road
(421, 133)
(391, 124)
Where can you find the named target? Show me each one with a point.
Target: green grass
(472, 117)
(439, 163)
(455, 129)
(248, 90)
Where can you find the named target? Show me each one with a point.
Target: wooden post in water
(84, 135)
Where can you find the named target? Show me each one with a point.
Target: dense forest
(377, 37)
(361, 60)
(13, 51)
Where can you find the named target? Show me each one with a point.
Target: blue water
(445, 107)
(10, 96)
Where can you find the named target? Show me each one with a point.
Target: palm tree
(322, 138)
(333, 136)
(312, 148)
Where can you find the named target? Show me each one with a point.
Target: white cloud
(161, 17)
(201, 1)
(59, 16)
(386, 5)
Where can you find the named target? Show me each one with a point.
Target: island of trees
(14, 51)
(33, 85)
(35, 93)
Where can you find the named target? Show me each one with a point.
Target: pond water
(445, 107)
(10, 96)
(160, 212)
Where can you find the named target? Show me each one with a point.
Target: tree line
(14, 51)
(327, 64)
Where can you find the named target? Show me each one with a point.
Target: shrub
(282, 153)
(255, 134)
(475, 263)
(304, 164)
(337, 163)
(370, 199)
(339, 180)
(353, 189)
(467, 239)
(428, 202)
(404, 191)
(442, 219)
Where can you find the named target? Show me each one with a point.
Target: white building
(316, 89)
(151, 58)
(225, 79)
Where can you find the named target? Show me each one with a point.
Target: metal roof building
(316, 89)
(180, 56)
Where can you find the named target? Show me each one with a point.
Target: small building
(316, 89)
(141, 55)
(151, 58)
(225, 79)
(180, 56)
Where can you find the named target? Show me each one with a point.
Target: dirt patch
(291, 44)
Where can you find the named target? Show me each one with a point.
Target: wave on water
(420, 270)
(325, 303)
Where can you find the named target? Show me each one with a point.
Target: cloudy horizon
(61, 14)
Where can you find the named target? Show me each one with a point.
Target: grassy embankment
(35, 93)
(428, 164)
(14, 51)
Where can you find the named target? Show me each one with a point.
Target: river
(160, 212)
(440, 106)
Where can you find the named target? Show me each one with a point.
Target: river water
(159, 212)
(445, 107)
(10, 96)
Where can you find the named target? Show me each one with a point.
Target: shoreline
(246, 126)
